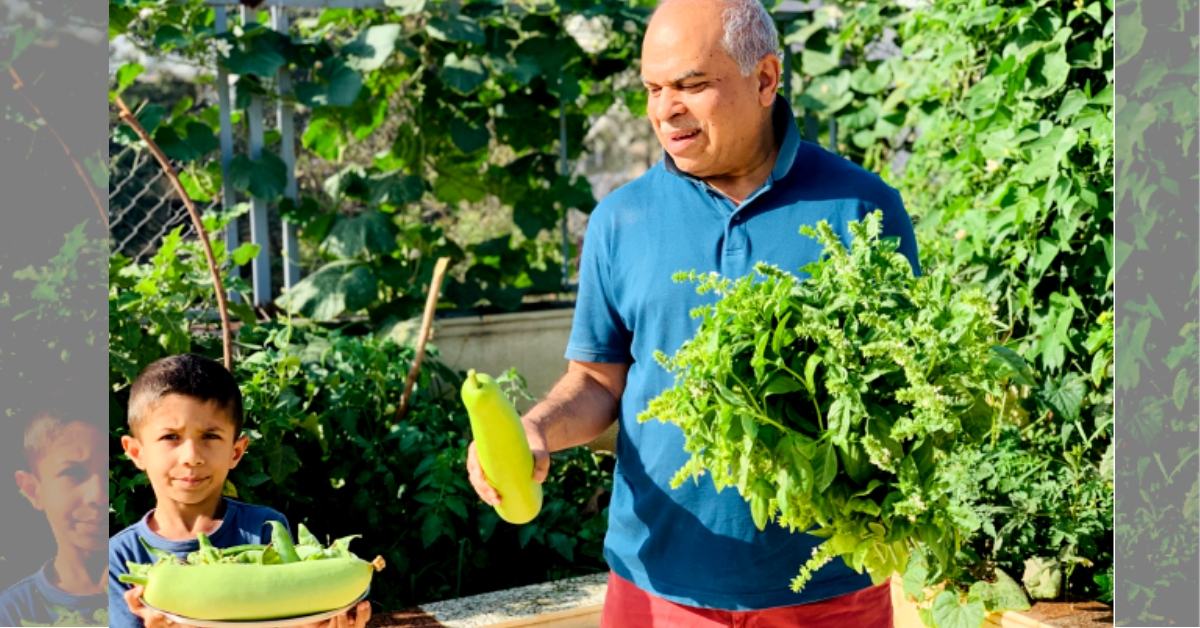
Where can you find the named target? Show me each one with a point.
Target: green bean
(281, 540)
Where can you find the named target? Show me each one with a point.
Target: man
(733, 188)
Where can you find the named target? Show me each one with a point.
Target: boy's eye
(169, 437)
(76, 473)
(212, 436)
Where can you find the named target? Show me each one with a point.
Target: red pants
(626, 606)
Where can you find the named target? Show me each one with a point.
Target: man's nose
(667, 105)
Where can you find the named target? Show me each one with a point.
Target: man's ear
(239, 449)
(30, 487)
(133, 447)
(770, 75)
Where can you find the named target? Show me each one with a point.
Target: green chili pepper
(306, 552)
(270, 556)
(281, 540)
(306, 538)
(241, 549)
(341, 547)
(250, 557)
(209, 555)
(159, 554)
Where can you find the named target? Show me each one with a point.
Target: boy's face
(186, 447)
(70, 484)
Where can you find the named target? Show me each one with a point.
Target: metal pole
(562, 143)
(225, 115)
(261, 264)
(287, 150)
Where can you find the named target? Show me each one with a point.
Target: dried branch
(100, 205)
(219, 286)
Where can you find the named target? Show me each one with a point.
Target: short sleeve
(898, 224)
(598, 333)
(119, 615)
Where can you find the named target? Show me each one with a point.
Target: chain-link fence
(143, 206)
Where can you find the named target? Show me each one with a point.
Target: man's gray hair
(750, 33)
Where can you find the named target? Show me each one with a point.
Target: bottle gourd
(502, 448)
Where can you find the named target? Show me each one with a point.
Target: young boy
(67, 479)
(185, 423)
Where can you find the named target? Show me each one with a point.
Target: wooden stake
(431, 301)
(218, 285)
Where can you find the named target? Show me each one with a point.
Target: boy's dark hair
(190, 375)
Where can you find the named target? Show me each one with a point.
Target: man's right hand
(150, 618)
(541, 464)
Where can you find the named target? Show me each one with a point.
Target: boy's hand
(356, 617)
(151, 618)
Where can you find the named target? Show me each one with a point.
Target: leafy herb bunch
(829, 403)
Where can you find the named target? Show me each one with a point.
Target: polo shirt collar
(783, 120)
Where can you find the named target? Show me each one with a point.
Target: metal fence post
(287, 151)
(225, 114)
(261, 264)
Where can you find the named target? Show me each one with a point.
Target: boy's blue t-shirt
(692, 545)
(36, 601)
(242, 524)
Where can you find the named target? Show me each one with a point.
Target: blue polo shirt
(692, 545)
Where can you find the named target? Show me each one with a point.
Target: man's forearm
(577, 411)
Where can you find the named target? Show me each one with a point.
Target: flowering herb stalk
(829, 403)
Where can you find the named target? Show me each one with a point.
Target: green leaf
(282, 461)
(825, 466)
(1001, 596)
(1072, 103)
(949, 613)
(341, 88)
(780, 384)
(866, 82)
(372, 231)
(257, 479)
(406, 7)
(463, 75)
(468, 137)
(244, 253)
(320, 295)
(1130, 36)
(261, 58)
(371, 49)
(198, 141)
(458, 28)
(1048, 71)
(914, 576)
(562, 544)
(1064, 396)
(431, 529)
(1008, 362)
(127, 74)
(265, 179)
(360, 288)
(1183, 385)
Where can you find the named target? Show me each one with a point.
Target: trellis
(260, 265)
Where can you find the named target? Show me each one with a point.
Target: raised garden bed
(576, 603)
(1080, 614)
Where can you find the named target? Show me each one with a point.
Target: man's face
(186, 447)
(70, 484)
(706, 115)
